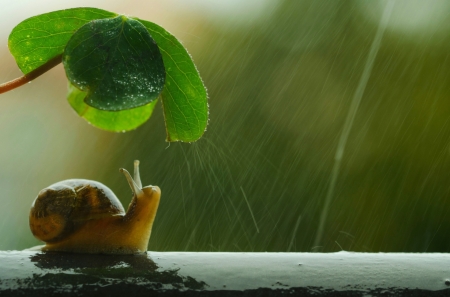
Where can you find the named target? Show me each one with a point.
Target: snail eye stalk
(137, 177)
(137, 191)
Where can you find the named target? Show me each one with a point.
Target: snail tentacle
(137, 177)
(134, 187)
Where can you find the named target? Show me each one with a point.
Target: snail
(85, 216)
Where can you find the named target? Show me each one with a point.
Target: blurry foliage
(279, 94)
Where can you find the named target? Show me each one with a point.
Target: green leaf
(116, 62)
(38, 39)
(43, 38)
(114, 121)
(184, 97)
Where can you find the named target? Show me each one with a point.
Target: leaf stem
(15, 83)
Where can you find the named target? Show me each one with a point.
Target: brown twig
(15, 83)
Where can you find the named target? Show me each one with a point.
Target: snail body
(85, 216)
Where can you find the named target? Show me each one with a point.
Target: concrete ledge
(25, 273)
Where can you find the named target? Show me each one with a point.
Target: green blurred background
(281, 76)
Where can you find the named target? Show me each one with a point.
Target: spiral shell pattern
(63, 207)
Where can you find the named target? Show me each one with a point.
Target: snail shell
(79, 215)
(60, 208)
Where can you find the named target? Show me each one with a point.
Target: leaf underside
(116, 62)
(114, 121)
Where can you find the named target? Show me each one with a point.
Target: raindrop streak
(294, 233)
(251, 212)
(351, 116)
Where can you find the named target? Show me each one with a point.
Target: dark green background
(279, 93)
(280, 90)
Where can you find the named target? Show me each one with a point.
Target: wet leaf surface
(116, 62)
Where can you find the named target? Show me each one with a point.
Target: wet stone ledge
(25, 273)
